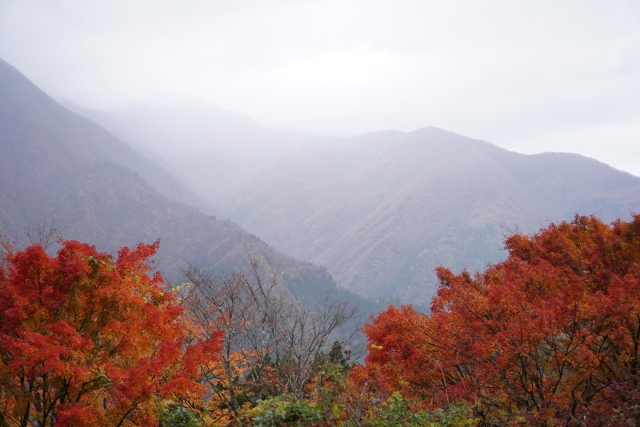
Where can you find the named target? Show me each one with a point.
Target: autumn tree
(551, 336)
(271, 343)
(86, 340)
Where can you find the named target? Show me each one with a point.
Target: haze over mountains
(380, 210)
(207, 147)
(57, 165)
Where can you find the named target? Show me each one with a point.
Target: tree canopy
(86, 340)
(549, 336)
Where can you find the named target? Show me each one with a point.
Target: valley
(382, 210)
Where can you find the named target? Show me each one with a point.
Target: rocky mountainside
(58, 166)
(382, 210)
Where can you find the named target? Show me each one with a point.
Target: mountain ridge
(382, 210)
(70, 126)
(55, 170)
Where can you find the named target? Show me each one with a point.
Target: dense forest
(550, 336)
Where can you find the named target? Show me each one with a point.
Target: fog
(527, 76)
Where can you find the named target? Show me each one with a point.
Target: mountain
(58, 166)
(208, 148)
(383, 210)
(19, 94)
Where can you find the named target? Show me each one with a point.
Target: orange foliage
(549, 336)
(88, 341)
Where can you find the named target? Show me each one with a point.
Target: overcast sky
(529, 76)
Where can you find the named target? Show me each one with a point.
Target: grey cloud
(528, 76)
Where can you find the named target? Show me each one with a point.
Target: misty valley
(186, 266)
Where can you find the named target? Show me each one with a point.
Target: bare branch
(42, 233)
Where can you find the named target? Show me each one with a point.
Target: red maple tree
(89, 341)
(550, 336)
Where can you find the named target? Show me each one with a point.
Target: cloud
(357, 66)
(511, 72)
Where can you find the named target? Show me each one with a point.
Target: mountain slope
(433, 198)
(208, 148)
(55, 165)
(85, 138)
(382, 210)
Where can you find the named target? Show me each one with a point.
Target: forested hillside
(59, 167)
(381, 210)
